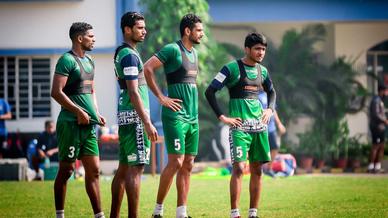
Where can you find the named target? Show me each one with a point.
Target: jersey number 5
(177, 145)
(239, 152)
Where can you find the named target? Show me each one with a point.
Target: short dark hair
(79, 28)
(255, 38)
(189, 20)
(47, 123)
(381, 87)
(129, 19)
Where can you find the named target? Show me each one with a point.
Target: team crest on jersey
(251, 88)
(192, 72)
(253, 71)
(132, 157)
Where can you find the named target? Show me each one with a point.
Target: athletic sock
(252, 212)
(181, 211)
(99, 215)
(60, 213)
(234, 213)
(378, 166)
(371, 166)
(158, 209)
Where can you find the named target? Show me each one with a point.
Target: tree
(294, 68)
(305, 86)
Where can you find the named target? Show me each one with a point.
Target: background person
(5, 114)
(377, 126)
(46, 148)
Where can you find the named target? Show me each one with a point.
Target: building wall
(46, 24)
(235, 34)
(354, 39)
(106, 92)
(350, 39)
(106, 87)
(228, 11)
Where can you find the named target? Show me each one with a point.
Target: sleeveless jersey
(129, 66)
(80, 73)
(181, 70)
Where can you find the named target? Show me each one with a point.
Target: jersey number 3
(71, 151)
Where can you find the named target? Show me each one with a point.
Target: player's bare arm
(139, 107)
(282, 129)
(6, 116)
(230, 121)
(149, 72)
(267, 113)
(59, 83)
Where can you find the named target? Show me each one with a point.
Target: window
(25, 84)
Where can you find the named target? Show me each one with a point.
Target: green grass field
(298, 196)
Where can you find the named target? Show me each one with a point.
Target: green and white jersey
(78, 85)
(181, 69)
(243, 105)
(129, 66)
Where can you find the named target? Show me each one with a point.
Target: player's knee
(176, 163)
(93, 173)
(188, 165)
(238, 169)
(66, 172)
(259, 172)
(255, 168)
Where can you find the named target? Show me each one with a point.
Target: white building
(354, 28)
(34, 33)
(33, 36)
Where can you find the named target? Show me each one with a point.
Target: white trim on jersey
(131, 71)
(220, 77)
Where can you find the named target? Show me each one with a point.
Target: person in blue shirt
(47, 146)
(273, 125)
(5, 114)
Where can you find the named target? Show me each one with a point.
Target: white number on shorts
(177, 145)
(71, 150)
(147, 154)
(239, 152)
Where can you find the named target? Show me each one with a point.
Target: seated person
(283, 165)
(47, 147)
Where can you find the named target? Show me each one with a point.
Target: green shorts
(134, 145)
(75, 141)
(252, 146)
(181, 137)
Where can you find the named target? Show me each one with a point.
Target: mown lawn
(298, 196)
